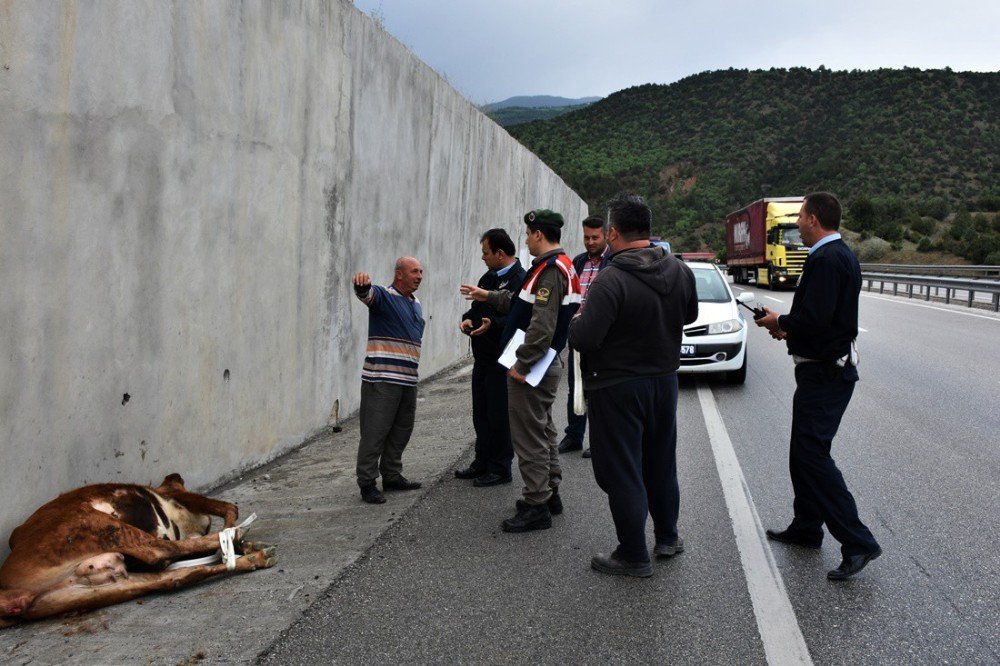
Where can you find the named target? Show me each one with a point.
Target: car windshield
(711, 287)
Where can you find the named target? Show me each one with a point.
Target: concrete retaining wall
(185, 189)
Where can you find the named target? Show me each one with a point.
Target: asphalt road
(919, 449)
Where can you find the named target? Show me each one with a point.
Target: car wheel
(739, 376)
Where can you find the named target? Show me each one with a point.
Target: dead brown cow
(107, 543)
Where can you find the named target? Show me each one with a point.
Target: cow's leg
(133, 542)
(81, 597)
(206, 505)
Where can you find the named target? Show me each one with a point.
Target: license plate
(687, 350)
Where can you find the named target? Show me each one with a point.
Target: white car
(717, 340)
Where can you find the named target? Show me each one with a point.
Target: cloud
(493, 50)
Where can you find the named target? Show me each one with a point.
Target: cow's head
(172, 482)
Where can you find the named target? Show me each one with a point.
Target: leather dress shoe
(795, 538)
(371, 494)
(555, 503)
(400, 483)
(669, 548)
(614, 565)
(569, 444)
(586, 452)
(469, 472)
(852, 564)
(491, 479)
(528, 517)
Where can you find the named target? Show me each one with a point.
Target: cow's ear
(174, 480)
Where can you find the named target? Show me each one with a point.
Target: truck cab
(785, 253)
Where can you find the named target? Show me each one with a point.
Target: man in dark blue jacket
(820, 331)
(484, 324)
(587, 264)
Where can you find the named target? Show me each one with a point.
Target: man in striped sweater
(389, 378)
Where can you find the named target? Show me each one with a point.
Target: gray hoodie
(632, 323)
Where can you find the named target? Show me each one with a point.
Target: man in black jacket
(484, 324)
(820, 331)
(629, 335)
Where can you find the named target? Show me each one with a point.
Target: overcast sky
(494, 49)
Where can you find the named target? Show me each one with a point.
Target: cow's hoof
(250, 547)
(260, 559)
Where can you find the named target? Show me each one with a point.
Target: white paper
(509, 357)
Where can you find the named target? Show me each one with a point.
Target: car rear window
(710, 285)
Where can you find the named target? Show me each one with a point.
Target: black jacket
(634, 318)
(824, 315)
(487, 345)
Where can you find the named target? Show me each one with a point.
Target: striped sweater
(395, 329)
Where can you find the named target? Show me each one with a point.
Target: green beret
(543, 217)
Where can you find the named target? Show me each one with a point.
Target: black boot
(370, 494)
(529, 517)
(555, 503)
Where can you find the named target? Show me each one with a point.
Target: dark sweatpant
(387, 415)
(821, 495)
(494, 452)
(633, 441)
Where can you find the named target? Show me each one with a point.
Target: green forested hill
(900, 147)
(515, 115)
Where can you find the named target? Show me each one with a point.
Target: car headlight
(730, 326)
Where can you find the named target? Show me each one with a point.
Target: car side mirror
(745, 297)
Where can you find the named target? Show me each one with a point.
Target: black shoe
(586, 452)
(669, 548)
(400, 483)
(852, 564)
(614, 565)
(491, 479)
(569, 444)
(555, 503)
(469, 472)
(528, 517)
(795, 538)
(371, 494)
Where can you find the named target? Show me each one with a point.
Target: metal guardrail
(924, 284)
(935, 270)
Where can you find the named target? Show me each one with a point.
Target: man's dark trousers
(633, 441)
(494, 452)
(822, 393)
(576, 424)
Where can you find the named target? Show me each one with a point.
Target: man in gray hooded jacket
(629, 337)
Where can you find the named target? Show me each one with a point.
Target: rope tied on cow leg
(227, 538)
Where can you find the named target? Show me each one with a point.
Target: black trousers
(822, 394)
(633, 441)
(576, 424)
(494, 452)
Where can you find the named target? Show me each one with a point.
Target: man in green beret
(542, 310)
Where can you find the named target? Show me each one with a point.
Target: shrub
(923, 225)
(873, 249)
(992, 259)
(925, 245)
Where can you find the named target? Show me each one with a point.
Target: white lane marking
(929, 307)
(863, 330)
(776, 622)
(774, 299)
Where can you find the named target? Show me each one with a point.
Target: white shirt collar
(823, 241)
